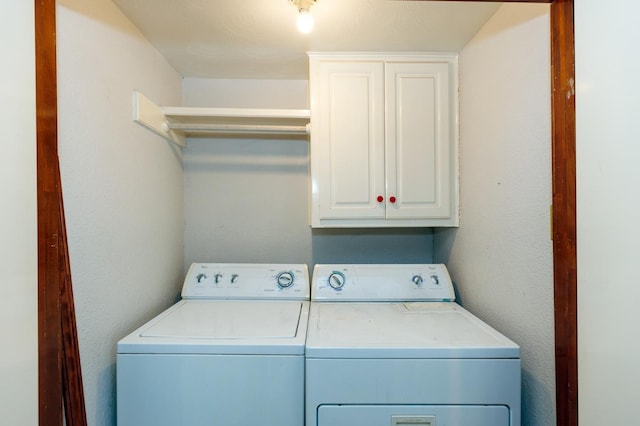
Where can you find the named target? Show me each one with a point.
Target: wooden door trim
(49, 325)
(563, 165)
(59, 371)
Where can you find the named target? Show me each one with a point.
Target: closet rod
(174, 124)
(239, 128)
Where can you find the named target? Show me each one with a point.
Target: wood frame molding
(59, 370)
(563, 162)
(55, 298)
(49, 330)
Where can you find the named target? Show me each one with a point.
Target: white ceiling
(258, 38)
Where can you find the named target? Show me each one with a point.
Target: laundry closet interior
(141, 208)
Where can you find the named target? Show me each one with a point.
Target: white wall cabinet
(383, 140)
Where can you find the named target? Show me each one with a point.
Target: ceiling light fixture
(305, 20)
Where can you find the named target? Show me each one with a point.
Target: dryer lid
(402, 330)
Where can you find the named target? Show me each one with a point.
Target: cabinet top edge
(449, 56)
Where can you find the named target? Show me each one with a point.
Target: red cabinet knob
(380, 198)
(392, 200)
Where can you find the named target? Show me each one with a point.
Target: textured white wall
(229, 93)
(18, 226)
(608, 154)
(122, 187)
(501, 256)
(247, 200)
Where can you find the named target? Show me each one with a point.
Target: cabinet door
(418, 145)
(348, 138)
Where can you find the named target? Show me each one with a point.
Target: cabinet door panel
(418, 140)
(351, 144)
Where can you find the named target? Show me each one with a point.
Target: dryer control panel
(382, 282)
(246, 281)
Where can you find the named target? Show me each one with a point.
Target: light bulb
(304, 21)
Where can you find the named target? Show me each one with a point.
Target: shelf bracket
(151, 116)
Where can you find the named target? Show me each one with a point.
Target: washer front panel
(204, 390)
(231, 352)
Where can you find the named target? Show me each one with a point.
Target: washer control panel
(246, 281)
(379, 282)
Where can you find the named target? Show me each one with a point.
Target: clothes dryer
(231, 352)
(388, 345)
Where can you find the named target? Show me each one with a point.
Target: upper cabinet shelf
(176, 123)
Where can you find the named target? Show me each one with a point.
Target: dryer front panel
(413, 415)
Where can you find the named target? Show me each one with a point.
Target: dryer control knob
(285, 279)
(336, 280)
(417, 279)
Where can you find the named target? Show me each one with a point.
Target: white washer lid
(402, 330)
(223, 327)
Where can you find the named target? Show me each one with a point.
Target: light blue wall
(501, 256)
(122, 187)
(248, 200)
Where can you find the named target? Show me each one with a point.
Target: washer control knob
(217, 277)
(336, 280)
(417, 279)
(435, 279)
(285, 279)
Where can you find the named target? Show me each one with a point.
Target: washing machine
(231, 352)
(388, 345)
